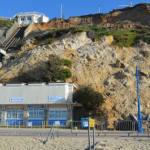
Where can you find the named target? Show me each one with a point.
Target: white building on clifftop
(26, 18)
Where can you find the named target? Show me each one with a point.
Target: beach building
(36, 104)
(26, 18)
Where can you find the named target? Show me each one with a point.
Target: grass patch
(122, 37)
(6, 23)
(67, 62)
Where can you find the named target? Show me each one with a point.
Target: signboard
(16, 99)
(29, 124)
(55, 98)
(92, 122)
(84, 122)
(57, 123)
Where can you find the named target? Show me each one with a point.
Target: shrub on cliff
(67, 62)
(53, 70)
(56, 68)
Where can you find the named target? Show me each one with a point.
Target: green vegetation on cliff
(122, 37)
(51, 71)
(6, 23)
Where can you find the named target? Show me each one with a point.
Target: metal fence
(126, 125)
(76, 125)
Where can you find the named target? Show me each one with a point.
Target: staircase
(14, 37)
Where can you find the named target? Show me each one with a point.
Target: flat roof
(35, 84)
(29, 14)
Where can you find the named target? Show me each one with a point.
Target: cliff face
(133, 17)
(137, 14)
(109, 69)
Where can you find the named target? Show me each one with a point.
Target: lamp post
(61, 11)
(140, 129)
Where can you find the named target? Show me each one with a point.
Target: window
(22, 18)
(51, 114)
(64, 114)
(58, 114)
(14, 114)
(36, 113)
(29, 18)
(20, 114)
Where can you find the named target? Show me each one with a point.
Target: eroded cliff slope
(108, 68)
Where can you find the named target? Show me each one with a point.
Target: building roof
(29, 14)
(36, 84)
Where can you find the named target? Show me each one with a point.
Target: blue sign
(55, 98)
(16, 99)
(84, 122)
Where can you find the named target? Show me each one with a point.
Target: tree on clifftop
(90, 99)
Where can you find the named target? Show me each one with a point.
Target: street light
(140, 129)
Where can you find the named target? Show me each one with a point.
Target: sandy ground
(73, 143)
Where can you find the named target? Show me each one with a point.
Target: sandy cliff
(109, 69)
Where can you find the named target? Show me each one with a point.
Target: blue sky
(70, 7)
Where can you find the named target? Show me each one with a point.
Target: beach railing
(77, 125)
(125, 125)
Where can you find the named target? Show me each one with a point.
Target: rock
(119, 75)
(90, 57)
(107, 39)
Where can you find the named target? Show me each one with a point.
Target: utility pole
(89, 141)
(61, 11)
(140, 129)
(94, 137)
(99, 9)
(131, 3)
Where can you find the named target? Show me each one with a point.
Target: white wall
(36, 94)
(45, 19)
(35, 19)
